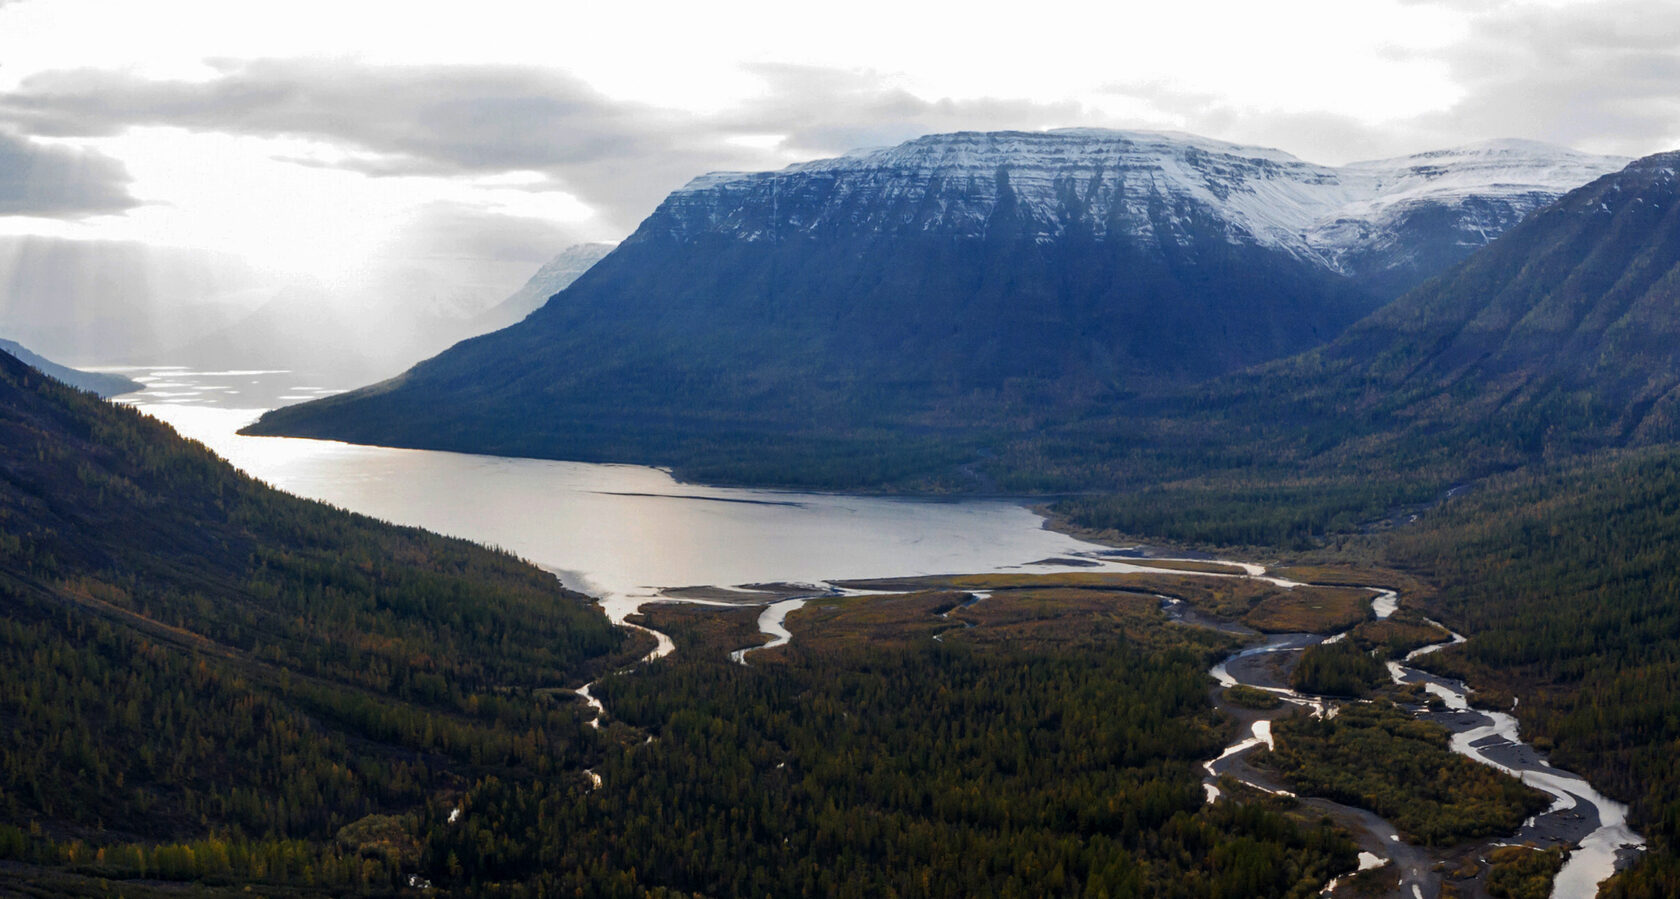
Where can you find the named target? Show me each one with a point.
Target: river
(624, 533)
(1579, 814)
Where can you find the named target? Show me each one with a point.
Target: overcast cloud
(476, 172)
(1603, 77)
(619, 157)
(1594, 77)
(47, 181)
(822, 112)
(402, 120)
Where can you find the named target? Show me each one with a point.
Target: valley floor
(1005, 610)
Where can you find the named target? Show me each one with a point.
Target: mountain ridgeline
(102, 383)
(1568, 326)
(1562, 337)
(907, 308)
(556, 275)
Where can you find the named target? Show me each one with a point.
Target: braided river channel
(628, 534)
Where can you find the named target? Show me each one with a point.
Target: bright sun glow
(248, 196)
(228, 193)
(1226, 69)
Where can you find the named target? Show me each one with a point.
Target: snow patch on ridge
(1155, 187)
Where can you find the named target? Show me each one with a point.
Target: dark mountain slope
(986, 341)
(1560, 338)
(98, 382)
(186, 654)
(1563, 334)
(855, 320)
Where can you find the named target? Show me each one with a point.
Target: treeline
(211, 861)
(1284, 512)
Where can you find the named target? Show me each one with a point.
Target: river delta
(632, 536)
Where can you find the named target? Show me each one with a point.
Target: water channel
(626, 534)
(1579, 813)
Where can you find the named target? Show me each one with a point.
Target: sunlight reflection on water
(611, 530)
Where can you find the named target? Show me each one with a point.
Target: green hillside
(201, 676)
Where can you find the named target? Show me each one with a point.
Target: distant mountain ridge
(556, 275)
(1566, 330)
(101, 383)
(951, 287)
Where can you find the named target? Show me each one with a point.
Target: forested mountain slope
(98, 382)
(1566, 578)
(202, 677)
(1566, 331)
(1560, 338)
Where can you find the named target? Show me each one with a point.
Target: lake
(618, 532)
(621, 532)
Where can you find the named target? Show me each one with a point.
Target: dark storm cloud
(51, 181)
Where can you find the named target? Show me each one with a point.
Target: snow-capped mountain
(1419, 214)
(1565, 331)
(1135, 184)
(1364, 220)
(937, 293)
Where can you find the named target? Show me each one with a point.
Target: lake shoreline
(629, 535)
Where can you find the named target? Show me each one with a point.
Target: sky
(380, 157)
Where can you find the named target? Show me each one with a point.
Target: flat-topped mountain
(1391, 221)
(951, 286)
